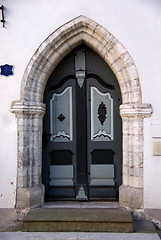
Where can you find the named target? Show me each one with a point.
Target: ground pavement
(9, 217)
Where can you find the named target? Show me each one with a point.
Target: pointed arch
(66, 38)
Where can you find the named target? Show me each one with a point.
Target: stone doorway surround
(30, 109)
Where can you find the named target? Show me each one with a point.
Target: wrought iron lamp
(2, 20)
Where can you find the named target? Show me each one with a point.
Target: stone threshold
(81, 204)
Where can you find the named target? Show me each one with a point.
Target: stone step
(78, 220)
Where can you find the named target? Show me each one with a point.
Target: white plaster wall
(136, 23)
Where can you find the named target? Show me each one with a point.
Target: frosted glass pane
(61, 116)
(101, 115)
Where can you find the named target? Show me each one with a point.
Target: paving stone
(77, 236)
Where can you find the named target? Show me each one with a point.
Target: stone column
(30, 191)
(131, 191)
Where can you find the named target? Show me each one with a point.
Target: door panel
(60, 151)
(101, 140)
(61, 168)
(102, 175)
(61, 175)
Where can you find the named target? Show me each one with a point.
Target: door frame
(30, 109)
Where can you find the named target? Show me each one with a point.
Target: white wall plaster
(28, 23)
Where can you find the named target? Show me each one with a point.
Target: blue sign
(6, 70)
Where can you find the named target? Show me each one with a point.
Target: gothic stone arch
(29, 109)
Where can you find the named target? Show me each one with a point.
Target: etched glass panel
(101, 115)
(61, 116)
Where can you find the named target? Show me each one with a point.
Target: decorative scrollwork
(102, 111)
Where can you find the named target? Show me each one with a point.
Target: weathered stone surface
(131, 197)
(78, 220)
(30, 197)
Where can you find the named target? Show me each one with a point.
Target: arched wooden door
(82, 156)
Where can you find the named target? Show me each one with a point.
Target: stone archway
(29, 109)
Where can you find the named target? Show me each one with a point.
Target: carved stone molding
(136, 110)
(27, 108)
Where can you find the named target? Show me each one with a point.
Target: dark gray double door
(82, 132)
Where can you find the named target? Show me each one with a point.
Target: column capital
(136, 110)
(21, 108)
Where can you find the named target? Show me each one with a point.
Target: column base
(131, 197)
(30, 197)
